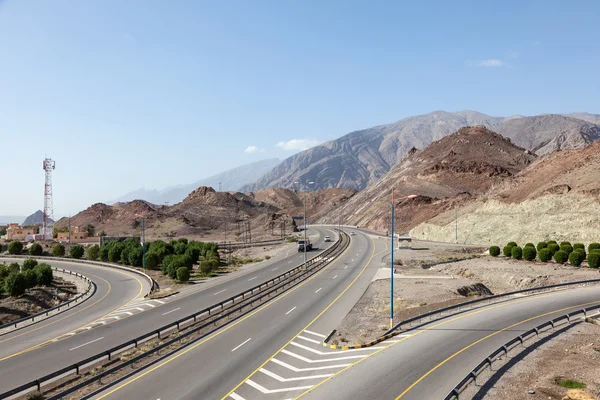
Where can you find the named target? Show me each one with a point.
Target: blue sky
(124, 94)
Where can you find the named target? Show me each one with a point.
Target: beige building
(76, 235)
(17, 232)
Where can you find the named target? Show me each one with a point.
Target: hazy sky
(124, 94)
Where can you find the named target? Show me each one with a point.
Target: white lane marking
(345, 266)
(314, 333)
(289, 262)
(298, 378)
(308, 360)
(335, 277)
(131, 309)
(235, 396)
(290, 310)
(318, 290)
(327, 353)
(274, 269)
(169, 312)
(241, 345)
(308, 339)
(85, 344)
(252, 278)
(122, 312)
(264, 390)
(160, 301)
(352, 260)
(292, 368)
(219, 292)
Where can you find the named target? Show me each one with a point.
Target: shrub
(58, 250)
(541, 245)
(494, 251)
(576, 258)
(15, 247)
(565, 244)
(29, 264)
(578, 246)
(36, 249)
(553, 247)
(4, 272)
(183, 274)
(593, 246)
(76, 251)
(14, 268)
(93, 252)
(560, 257)
(183, 240)
(179, 247)
(173, 264)
(545, 255)
(114, 252)
(206, 267)
(517, 253)
(30, 278)
(136, 257)
(507, 251)
(529, 245)
(567, 248)
(552, 241)
(152, 259)
(512, 244)
(594, 259)
(125, 255)
(15, 284)
(44, 274)
(582, 251)
(529, 253)
(193, 250)
(103, 253)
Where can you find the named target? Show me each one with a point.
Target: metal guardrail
(312, 264)
(488, 362)
(31, 318)
(488, 299)
(250, 244)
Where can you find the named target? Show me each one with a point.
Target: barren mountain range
(360, 158)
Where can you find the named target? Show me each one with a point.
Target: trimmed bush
(512, 244)
(545, 255)
(183, 274)
(44, 274)
(14, 268)
(594, 259)
(29, 264)
(507, 251)
(541, 245)
(36, 249)
(567, 248)
(30, 278)
(593, 246)
(552, 241)
(529, 245)
(58, 250)
(553, 247)
(207, 267)
(582, 251)
(136, 257)
(15, 247)
(561, 257)
(103, 253)
(576, 258)
(578, 246)
(494, 251)
(529, 253)
(517, 253)
(114, 252)
(15, 284)
(565, 244)
(179, 247)
(76, 251)
(152, 259)
(93, 252)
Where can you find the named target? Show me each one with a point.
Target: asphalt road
(61, 348)
(212, 367)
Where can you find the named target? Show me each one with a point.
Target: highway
(212, 367)
(86, 336)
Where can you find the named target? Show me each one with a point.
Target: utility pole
(69, 231)
(392, 269)
(456, 219)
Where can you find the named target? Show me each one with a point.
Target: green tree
(114, 252)
(582, 251)
(576, 258)
(125, 255)
(15, 284)
(136, 256)
(529, 253)
(494, 251)
(44, 274)
(3, 231)
(58, 250)
(553, 247)
(561, 257)
(578, 246)
(15, 247)
(517, 252)
(102, 233)
(594, 259)
(30, 278)
(565, 243)
(529, 245)
(93, 252)
(179, 247)
(14, 268)
(541, 245)
(183, 274)
(183, 240)
(206, 267)
(36, 249)
(76, 251)
(507, 251)
(29, 264)
(90, 229)
(193, 251)
(545, 255)
(512, 244)
(567, 248)
(593, 246)
(152, 259)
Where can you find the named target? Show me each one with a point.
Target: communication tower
(49, 166)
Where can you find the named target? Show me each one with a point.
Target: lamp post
(305, 222)
(143, 241)
(412, 196)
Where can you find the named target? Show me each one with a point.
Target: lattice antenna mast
(49, 166)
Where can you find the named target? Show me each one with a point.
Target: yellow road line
(307, 326)
(225, 329)
(512, 302)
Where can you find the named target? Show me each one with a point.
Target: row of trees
(545, 251)
(76, 251)
(15, 278)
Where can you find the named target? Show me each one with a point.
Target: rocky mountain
(593, 118)
(37, 218)
(453, 169)
(362, 157)
(232, 179)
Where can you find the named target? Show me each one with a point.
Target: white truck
(302, 244)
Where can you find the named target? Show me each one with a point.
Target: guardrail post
(108, 355)
(39, 385)
(552, 323)
(77, 369)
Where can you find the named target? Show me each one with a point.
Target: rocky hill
(362, 157)
(37, 218)
(453, 169)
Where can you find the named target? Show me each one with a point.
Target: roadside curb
(361, 346)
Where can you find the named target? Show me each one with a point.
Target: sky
(129, 94)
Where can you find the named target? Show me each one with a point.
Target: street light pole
(305, 228)
(144, 242)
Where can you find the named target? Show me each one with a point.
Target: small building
(17, 232)
(76, 235)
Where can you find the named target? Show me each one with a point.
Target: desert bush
(552, 241)
(36, 249)
(15, 284)
(541, 245)
(529, 253)
(93, 252)
(561, 257)
(594, 259)
(582, 251)
(512, 244)
(565, 243)
(507, 251)
(494, 251)
(576, 258)
(183, 274)
(30, 263)
(545, 255)
(553, 247)
(567, 248)
(593, 246)
(517, 253)
(44, 274)
(529, 245)
(58, 250)
(76, 251)
(15, 247)
(578, 246)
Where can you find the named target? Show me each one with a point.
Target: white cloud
(298, 144)
(254, 149)
(491, 63)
